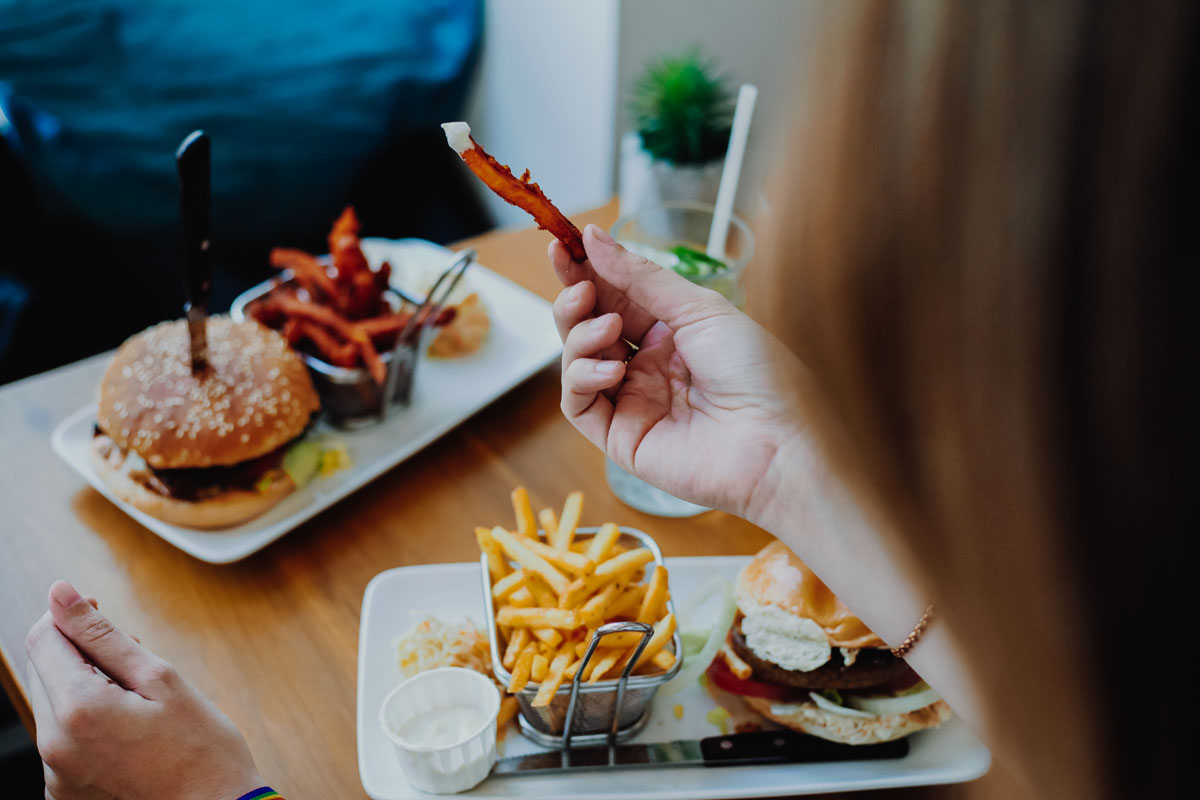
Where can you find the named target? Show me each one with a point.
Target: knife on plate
(738, 749)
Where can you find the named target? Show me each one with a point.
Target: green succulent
(682, 109)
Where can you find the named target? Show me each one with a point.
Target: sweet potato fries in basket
(341, 312)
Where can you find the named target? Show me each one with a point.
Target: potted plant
(682, 112)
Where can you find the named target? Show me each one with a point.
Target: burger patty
(194, 484)
(873, 666)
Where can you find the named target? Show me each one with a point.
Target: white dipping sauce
(442, 727)
(458, 136)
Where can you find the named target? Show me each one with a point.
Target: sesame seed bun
(229, 507)
(255, 396)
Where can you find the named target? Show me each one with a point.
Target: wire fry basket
(350, 397)
(581, 713)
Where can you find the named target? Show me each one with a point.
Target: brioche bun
(254, 396)
(777, 577)
(811, 719)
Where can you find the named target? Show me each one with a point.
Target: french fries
(540, 665)
(508, 709)
(602, 542)
(518, 551)
(656, 596)
(525, 523)
(548, 519)
(521, 670)
(497, 566)
(572, 510)
(628, 560)
(550, 597)
(538, 617)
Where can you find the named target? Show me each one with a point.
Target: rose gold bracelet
(901, 650)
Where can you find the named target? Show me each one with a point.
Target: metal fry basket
(581, 713)
(350, 397)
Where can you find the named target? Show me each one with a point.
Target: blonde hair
(979, 233)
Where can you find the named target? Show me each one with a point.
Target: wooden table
(273, 639)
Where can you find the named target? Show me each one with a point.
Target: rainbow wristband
(262, 793)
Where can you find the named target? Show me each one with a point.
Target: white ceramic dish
(440, 767)
(522, 341)
(949, 754)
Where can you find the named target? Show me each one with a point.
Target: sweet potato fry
(347, 256)
(385, 324)
(304, 309)
(519, 192)
(309, 272)
(329, 347)
(371, 357)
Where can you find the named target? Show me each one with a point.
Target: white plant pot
(643, 181)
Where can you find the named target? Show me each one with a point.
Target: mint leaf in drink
(695, 263)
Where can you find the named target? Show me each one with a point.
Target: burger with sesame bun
(210, 449)
(798, 656)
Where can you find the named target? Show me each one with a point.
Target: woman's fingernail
(600, 235)
(577, 291)
(608, 367)
(64, 594)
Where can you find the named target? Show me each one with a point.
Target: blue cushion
(296, 96)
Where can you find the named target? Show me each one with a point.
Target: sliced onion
(894, 704)
(694, 666)
(834, 708)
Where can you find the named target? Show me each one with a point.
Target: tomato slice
(720, 675)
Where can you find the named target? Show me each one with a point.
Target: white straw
(732, 170)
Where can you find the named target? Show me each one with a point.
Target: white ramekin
(452, 768)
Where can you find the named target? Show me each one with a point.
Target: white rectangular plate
(949, 754)
(522, 341)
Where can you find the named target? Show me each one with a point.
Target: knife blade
(193, 160)
(738, 749)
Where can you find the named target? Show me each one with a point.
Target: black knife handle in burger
(194, 161)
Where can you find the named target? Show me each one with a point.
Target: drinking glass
(653, 233)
